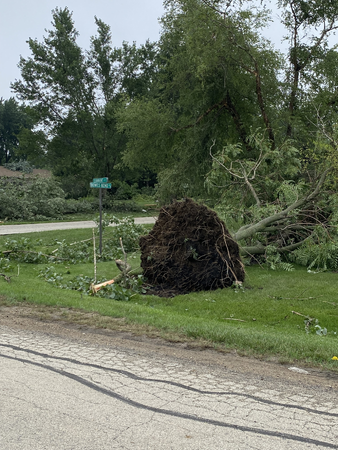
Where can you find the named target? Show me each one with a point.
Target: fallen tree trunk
(278, 222)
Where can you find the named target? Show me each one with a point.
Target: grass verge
(288, 316)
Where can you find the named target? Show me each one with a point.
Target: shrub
(35, 198)
(126, 229)
(125, 191)
(148, 191)
(20, 166)
(74, 187)
(125, 206)
(111, 203)
(84, 205)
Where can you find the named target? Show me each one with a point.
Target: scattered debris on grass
(7, 278)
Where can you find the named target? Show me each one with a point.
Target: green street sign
(100, 180)
(100, 185)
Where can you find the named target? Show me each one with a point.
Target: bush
(125, 191)
(20, 166)
(148, 191)
(84, 205)
(111, 203)
(74, 187)
(125, 206)
(125, 229)
(36, 198)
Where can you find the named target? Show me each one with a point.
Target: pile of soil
(189, 249)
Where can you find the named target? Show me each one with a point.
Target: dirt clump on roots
(189, 249)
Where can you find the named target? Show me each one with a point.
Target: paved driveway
(36, 227)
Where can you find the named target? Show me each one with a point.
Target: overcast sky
(130, 20)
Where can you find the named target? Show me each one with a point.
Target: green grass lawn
(264, 319)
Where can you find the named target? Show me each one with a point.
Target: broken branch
(8, 279)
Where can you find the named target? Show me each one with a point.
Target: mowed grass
(265, 319)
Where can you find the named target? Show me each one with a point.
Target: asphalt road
(37, 227)
(64, 394)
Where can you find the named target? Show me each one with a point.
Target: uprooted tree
(190, 249)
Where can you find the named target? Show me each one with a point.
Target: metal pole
(94, 248)
(100, 221)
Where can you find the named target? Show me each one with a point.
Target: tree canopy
(219, 79)
(76, 94)
(15, 123)
(212, 108)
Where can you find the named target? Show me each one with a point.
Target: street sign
(100, 185)
(100, 180)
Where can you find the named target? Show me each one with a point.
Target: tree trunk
(263, 226)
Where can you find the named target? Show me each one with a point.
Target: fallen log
(96, 287)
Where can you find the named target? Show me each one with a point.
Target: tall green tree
(76, 95)
(12, 121)
(220, 80)
(217, 79)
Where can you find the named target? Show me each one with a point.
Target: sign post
(100, 202)
(101, 183)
